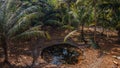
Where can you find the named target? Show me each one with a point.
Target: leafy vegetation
(24, 19)
(17, 21)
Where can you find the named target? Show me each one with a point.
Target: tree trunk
(103, 30)
(95, 33)
(35, 51)
(95, 42)
(82, 34)
(95, 19)
(119, 35)
(5, 49)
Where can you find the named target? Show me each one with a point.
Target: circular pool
(63, 53)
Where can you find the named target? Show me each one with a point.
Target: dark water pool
(61, 54)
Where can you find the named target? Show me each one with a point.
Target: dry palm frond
(71, 33)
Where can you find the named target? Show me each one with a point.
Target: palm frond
(67, 36)
(52, 22)
(9, 4)
(52, 15)
(23, 24)
(21, 13)
(31, 34)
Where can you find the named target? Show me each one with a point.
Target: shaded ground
(21, 53)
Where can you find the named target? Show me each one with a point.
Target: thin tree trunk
(119, 35)
(82, 34)
(103, 30)
(95, 33)
(108, 33)
(95, 20)
(95, 42)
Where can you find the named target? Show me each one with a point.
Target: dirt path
(96, 63)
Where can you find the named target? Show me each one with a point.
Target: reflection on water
(57, 60)
(61, 54)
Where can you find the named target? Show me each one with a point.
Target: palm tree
(111, 13)
(84, 11)
(16, 23)
(81, 11)
(63, 8)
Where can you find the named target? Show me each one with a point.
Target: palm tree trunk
(95, 19)
(95, 42)
(119, 35)
(82, 34)
(5, 48)
(103, 30)
(95, 33)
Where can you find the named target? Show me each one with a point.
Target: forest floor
(109, 58)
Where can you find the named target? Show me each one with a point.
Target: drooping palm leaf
(31, 34)
(67, 36)
(51, 22)
(23, 24)
(21, 13)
